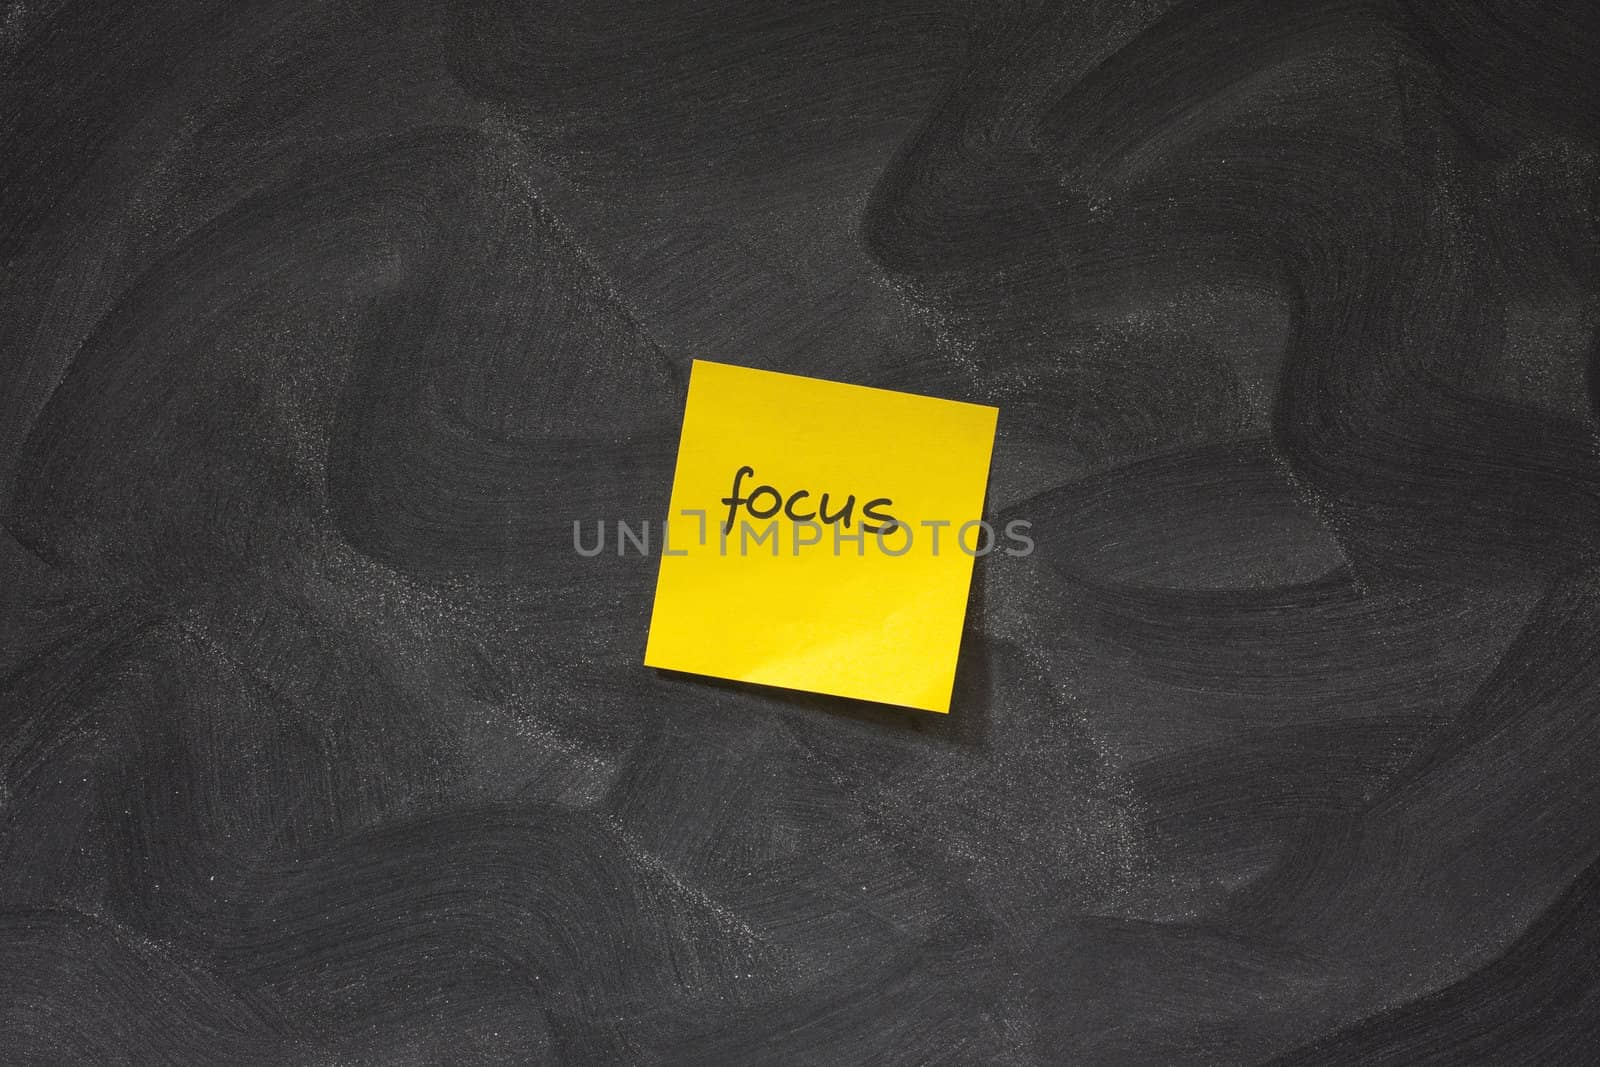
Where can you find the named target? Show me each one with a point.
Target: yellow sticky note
(821, 536)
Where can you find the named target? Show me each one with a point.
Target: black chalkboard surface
(321, 324)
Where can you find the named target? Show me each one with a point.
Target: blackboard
(320, 325)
